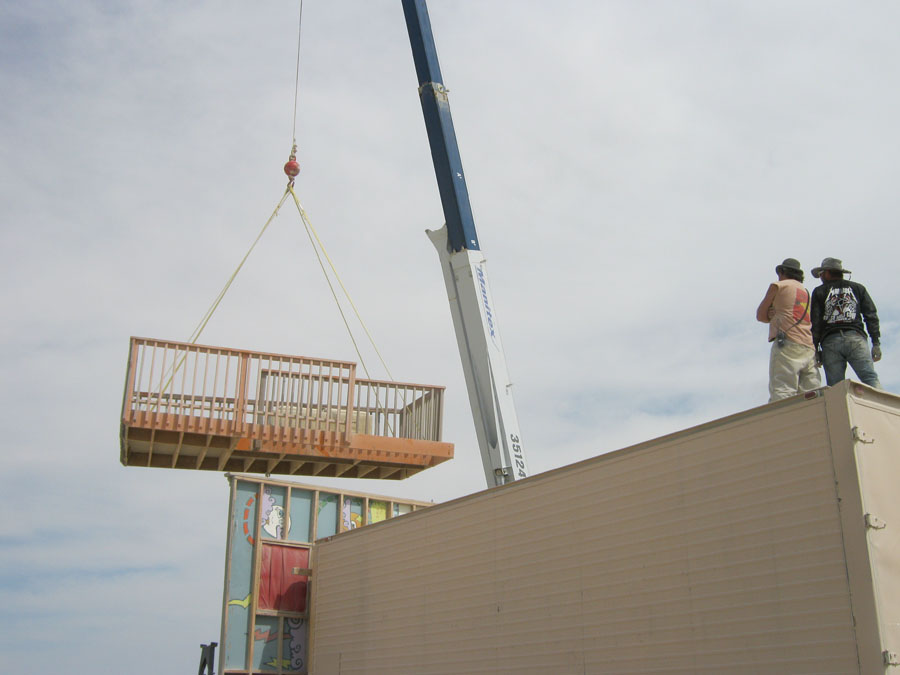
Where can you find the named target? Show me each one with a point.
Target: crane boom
(465, 271)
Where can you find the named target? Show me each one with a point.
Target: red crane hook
(292, 166)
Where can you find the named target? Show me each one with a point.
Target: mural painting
(267, 569)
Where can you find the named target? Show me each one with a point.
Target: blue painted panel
(328, 515)
(301, 510)
(265, 644)
(240, 576)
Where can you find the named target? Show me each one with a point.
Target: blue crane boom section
(448, 169)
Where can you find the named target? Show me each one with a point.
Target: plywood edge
(437, 450)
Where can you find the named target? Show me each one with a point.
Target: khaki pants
(792, 370)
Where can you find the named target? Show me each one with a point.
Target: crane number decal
(518, 456)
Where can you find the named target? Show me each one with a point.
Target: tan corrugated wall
(716, 550)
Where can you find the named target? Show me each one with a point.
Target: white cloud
(636, 170)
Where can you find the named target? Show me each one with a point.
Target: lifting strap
(212, 308)
(317, 246)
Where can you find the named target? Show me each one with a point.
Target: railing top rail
(341, 375)
(391, 383)
(230, 350)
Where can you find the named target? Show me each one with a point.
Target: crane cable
(195, 335)
(292, 168)
(311, 231)
(297, 74)
(313, 238)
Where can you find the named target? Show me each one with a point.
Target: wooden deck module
(192, 406)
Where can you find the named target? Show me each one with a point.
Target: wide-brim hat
(788, 264)
(829, 264)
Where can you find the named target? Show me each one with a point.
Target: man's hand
(876, 351)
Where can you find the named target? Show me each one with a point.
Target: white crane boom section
(483, 361)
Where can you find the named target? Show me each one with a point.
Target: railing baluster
(261, 406)
(194, 391)
(269, 402)
(203, 419)
(226, 392)
(351, 404)
(184, 370)
(128, 397)
(320, 394)
(155, 409)
(333, 413)
(165, 390)
(139, 382)
(241, 394)
(213, 404)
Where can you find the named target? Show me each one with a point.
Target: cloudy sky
(636, 171)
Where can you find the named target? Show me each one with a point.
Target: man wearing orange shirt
(792, 361)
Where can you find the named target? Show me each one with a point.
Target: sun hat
(788, 264)
(829, 264)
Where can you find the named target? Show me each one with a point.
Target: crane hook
(292, 167)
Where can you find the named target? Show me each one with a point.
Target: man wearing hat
(792, 361)
(839, 307)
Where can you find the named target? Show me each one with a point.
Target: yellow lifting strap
(195, 335)
(212, 308)
(311, 233)
(318, 246)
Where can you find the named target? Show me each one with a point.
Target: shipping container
(764, 542)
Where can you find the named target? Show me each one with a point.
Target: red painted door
(282, 578)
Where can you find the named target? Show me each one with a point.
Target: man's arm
(765, 310)
(870, 315)
(816, 312)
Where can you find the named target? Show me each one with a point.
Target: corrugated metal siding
(717, 550)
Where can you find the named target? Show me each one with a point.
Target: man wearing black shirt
(838, 309)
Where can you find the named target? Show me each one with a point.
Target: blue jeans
(843, 347)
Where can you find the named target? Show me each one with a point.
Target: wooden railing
(217, 390)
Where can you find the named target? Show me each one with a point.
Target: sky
(636, 170)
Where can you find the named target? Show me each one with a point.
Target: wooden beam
(177, 449)
(150, 451)
(366, 469)
(203, 452)
(346, 467)
(223, 459)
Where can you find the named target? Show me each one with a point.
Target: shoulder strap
(805, 310)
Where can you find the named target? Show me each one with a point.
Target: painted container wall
(271, 530)
(739, 546)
